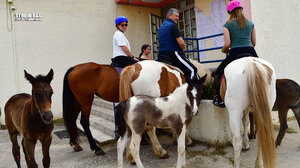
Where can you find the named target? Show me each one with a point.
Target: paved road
(199, 156)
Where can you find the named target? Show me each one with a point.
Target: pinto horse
(154, 79)
(135, 114)
(31, 116)
(251, 81)
(82, 81)
(287, 97)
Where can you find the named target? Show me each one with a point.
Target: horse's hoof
(165, 156)
(129, 158)
(77, 148)
(190, 144)
(245, 150)
(99, 152)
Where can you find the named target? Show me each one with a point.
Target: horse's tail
(259, 78)
(125, 81)
(119, 118)
(68, 106)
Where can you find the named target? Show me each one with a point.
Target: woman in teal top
(239, 41)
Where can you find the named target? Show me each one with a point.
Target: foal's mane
(41, 78)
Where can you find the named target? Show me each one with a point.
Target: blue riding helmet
(121, 19)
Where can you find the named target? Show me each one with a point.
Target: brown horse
(287, 97)
(81, 82)
(31, 116)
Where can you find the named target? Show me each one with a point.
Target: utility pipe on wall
(10, 12)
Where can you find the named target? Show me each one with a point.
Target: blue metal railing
(202, 50)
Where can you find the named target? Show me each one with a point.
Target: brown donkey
(31, 116)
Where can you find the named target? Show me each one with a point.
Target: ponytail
(238, 15)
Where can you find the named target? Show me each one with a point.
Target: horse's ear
(188, 80)
(203, 78)
(50, 75)
(29, 77)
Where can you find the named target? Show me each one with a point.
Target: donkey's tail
(259, 78)
(68, 107)
(119, 118)
(125, 81)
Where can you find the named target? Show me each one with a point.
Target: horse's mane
(201, 71)
(41, 78)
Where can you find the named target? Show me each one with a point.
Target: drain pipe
(10, 12)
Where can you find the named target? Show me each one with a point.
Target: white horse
(136, 114)
(251, 81)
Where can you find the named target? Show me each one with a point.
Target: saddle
(169, 63)
(117, 66)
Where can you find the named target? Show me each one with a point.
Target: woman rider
(122, 55)
(239, 41)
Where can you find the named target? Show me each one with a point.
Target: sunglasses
(124, 25)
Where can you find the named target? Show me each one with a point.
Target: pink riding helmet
(233, 4)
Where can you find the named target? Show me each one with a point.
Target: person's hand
(224, 51)
(136, 59)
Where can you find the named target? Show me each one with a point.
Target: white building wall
(71, 32)
(278, 33)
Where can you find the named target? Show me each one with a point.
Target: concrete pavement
(199, 156)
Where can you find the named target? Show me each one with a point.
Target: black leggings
(122, 61)
(234, 54)
(169, 57)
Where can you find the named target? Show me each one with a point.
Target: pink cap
(232, 5)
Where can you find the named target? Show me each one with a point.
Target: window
(187, 25)
(155, 23)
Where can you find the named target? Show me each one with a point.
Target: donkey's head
(41, 94)
(194, 92)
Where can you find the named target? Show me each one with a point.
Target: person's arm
(227, 41)
(180, 41)
(175, 33)
(128, 53)
(253, 37)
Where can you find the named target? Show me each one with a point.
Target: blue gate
(202, 50)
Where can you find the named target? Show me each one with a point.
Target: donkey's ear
(29, 77)
(50, 75)
(203, 78)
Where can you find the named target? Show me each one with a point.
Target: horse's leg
(128, 154)
(282, 115)
(74, 139)
(29, 145)
(158, 150)
(252, 134)
(245, 126)
(121, 144)
(24, 150)
(259, 161)
(46, 142)
(234, 121)
(134, 148)
(86, 110)
(181, 148)
(297, 115)
(16, 148)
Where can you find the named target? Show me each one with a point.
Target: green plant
(208, 92)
